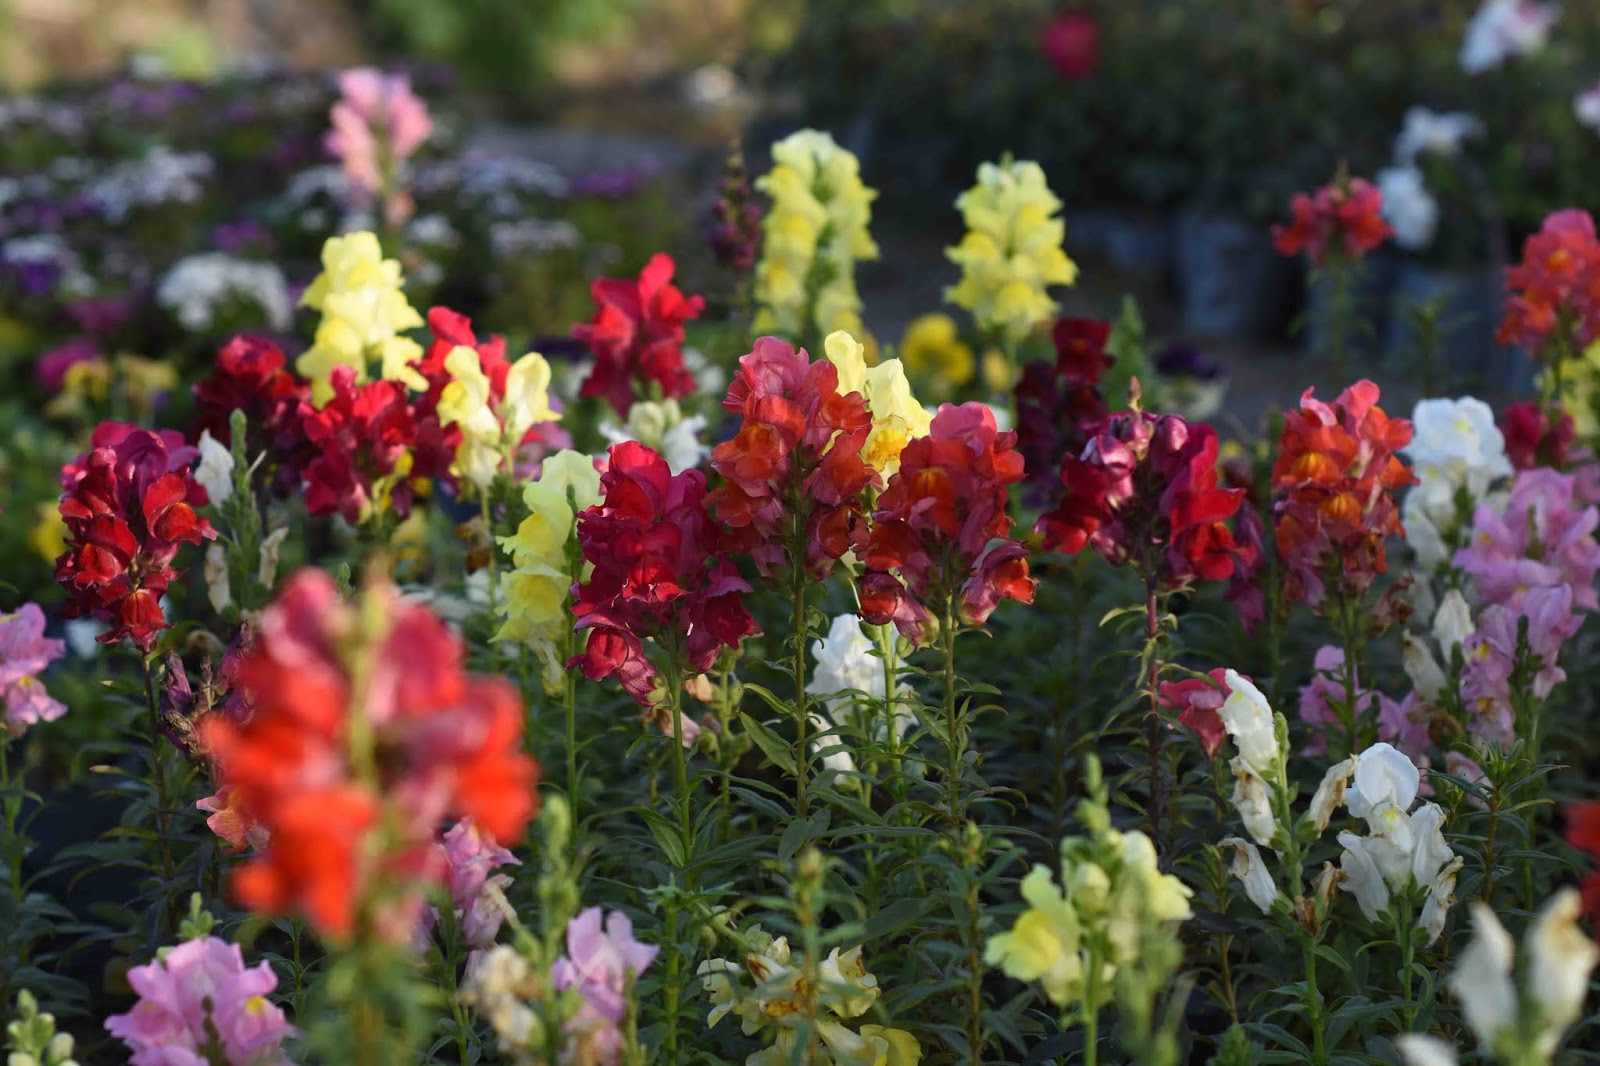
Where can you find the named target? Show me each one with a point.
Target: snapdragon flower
(364, 313)
(897, 417)
(664, 427)
(492, 428)
(844, 665)
(25, 653)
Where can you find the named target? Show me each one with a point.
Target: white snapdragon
(664, 428)
(1249, 719)
(1503, 29)
(1434, 133)
(1456, 449)
(845, 664)
(214, 472)
(1452, 625)
(1247, 866)
(1508, 1017)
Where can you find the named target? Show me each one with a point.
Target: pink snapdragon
(473, 856)
(25, 652)
(1490, 658)
(378, 123)
(1198, 701)
(1540, 538)
(198, 1000)
(600, 962)
(1320, 698)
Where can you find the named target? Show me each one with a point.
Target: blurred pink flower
(598, 963)
(200, 1002)
(24, 654)
(378, 123)
(1540, 538)
(1490, 653)
(1395, 720)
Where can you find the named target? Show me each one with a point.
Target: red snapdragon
(1334, 485)
(366, 738)
(367, 446)
(1058, 403)
(129, 507)
(1342, 220)
(1144, 491)
(940, 534)
(1533, 438)
(659, 574)
(636, 336)
(251, 375)
(793, 474)
(1555, 290)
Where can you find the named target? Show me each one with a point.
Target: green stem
(802, 757)
(569, 704)
(955, 728)
(1405, 932)
(1091, 1010)
(1155, 734)
(1314, 1005)
(680, 780)
(158, 772)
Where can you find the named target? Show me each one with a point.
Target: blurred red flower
(1071, 44)
(636, 336)
(1343, 220)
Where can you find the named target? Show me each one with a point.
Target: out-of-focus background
(574, 137)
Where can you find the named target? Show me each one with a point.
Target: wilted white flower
(215, 469)
(1452, 623)
(198, 286)
(1441, 895)
(1247, 866)
(1330, 793)
(1253, 801)
(1408, 206)
(271, 544)
(215, 571)
(1421, 667)
(1586, 105)
(1434, 133)
(1503, 29)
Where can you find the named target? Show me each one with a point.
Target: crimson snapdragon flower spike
(793, 475)
(1340, 221)
(1059, 403)
(1145, 492)
(366, 737)
(636, 336)
(129, 508)
(251, 375)
(1333, 487)
(1583, 833)
(1536, 436)
(940, 533)
(660, 573)
(1554, 293)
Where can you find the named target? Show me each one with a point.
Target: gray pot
(1370, 300)
(1469, 303)
(1230, 280)
(1139, 245)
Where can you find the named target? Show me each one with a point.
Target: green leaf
(772, 746)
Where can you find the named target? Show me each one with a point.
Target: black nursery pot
(1469, 305)
(1231, 282)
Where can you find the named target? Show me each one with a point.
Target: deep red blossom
(940, 530)
(1533, 438)
(1333, 486)
(636, 336)
(1071, 45)
(1583, 833)
(350, 817)
(793, 475)
(364, 438)
(659, 574)
(1197, 701)
(129, 506)
(1555, 290)
(1144, 491)
(1058, 404)
(1342, 220)
(251, 375)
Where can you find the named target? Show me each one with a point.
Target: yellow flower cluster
(489, 435)
(1012, 251)
(767, 992)
(897, 417)
(815, 233)
(533, 594)
(1579, 379)
(1112, 898)
(364, 311)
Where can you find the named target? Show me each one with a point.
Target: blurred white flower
(663, 427)
(1586, 105)
(846, 664)
(1560, 959)
(1482, 979)
(1408, 206)
(160, 176)
(199, 286)
(215, 571)
(1434, 133)
(1426, 1051)
(1503, 29)
(215, 469)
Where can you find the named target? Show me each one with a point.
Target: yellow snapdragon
(813, 236)
(897, 417)
(933, 351)
(1012, 251)
(364, 311)
(1580, 390)
(533, 594)
(490, 434)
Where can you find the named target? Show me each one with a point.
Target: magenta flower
(378, 123)
(1491, 655)
(1540, 538)
(198, 1000)
(24, 653)
(599, 964)
(1319, 700)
